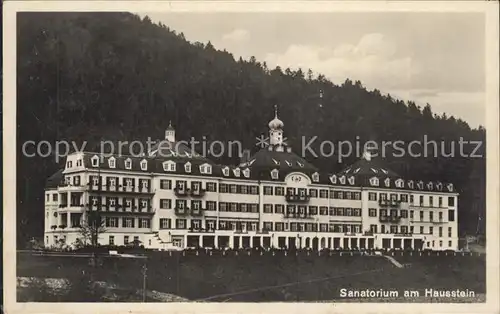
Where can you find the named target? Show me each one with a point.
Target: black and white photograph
(243, 154)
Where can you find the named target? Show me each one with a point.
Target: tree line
(116, 76)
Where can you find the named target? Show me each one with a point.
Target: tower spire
(276, 111)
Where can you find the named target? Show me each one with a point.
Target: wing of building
(175, 197)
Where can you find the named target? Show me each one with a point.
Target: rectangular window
(411, 214)
(165, 203)
(421, 215)
(211, 205)
(449, 243)
(372, 196)
(128, 222)
(111, 240)
(54, 197)
(125, 240)
(382, 228)
(278, 226)
(421, 200)
(431, 230)
(451, 215)
(279, 191)
(394, 229)
(440, 231)
(279, 208)
(404, 229)
(313, 193)
(323, 193)
(268, 208)
(404, 213)
(244, 189)
(313, 210)
(268, 190)
(254, 190)
(431, 201)
(144, 223)
(440, 201)
(412, 228)
(421, 230)
(323, 211)
(373, 228)
(268, 226)
(449, 232)
(165, 223)
(431, 216)
(223, 188)
(211, 187)
(372, 212)
(180, 223)
(166, 184)
(411, 199)
(451, 201)
(112, 222)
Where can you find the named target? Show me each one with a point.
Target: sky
(435, 58)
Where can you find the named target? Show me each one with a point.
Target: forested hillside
(115, 76)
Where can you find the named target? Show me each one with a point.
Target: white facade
(242, 212)
(192, 202)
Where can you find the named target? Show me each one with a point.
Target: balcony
(196, 212)
(392, 219)
(181, 211)
(197, 192)
(389, 203)
(293, 197)
(181, 191)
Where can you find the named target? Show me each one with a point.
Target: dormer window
(95, 161)
(387, 182)
(246, 173)
(420, 185)
(236, 172)
(374, 181)
(187, 167)
(274, 174)
(289, 164)
(79, 163)
(410, 184)
(276, 162)
(399, 183)
(128, 163)
(430, 186)
(333, 179)
(315, 177)
(69, 164)
(342, 180)
(351, 180)
(169, 166)
(144, 165)
(112, 162)
(206, 169)
(225, 171)
(450, 187)
(439, 186)
(301, 165)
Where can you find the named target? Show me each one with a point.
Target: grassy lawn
(266, 278)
